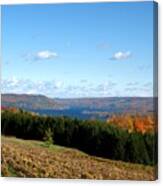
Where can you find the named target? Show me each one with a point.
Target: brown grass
(26, 158)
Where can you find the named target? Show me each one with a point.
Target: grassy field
(28, 158)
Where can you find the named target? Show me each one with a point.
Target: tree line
(93, 137)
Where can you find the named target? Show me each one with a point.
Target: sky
(78, 50)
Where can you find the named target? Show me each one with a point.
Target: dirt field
(27, 158)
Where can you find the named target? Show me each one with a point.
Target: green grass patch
(12, 171)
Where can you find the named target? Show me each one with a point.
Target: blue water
(73, 112)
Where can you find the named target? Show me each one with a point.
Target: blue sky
(78, 50)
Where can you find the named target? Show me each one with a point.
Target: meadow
(30, 158)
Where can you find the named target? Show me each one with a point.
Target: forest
(91, 136)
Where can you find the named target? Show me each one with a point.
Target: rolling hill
(83, 108)
(26, 101)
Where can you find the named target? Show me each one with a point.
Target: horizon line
(93, 97)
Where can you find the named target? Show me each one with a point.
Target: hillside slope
(26, 158)
(26, 101)
(108, 104)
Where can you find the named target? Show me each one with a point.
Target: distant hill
(26, 101)
(112, 104)
(85, 105)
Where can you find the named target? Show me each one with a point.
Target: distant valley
(83, 108)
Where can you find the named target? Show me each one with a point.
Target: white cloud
(14, 85)
(14, 81)
(58, 84)
(40, 55)
(121, 55)
(132, 83)
(56, 88)
(46, 54)
(135, 88)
